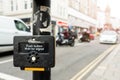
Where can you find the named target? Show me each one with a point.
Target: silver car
(108, 37)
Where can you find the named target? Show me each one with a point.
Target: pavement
(109, 68)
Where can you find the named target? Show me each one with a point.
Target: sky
(114, 5)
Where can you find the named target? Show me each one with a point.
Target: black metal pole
(42, 75)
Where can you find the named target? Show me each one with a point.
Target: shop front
(58, 25)
(62, 26)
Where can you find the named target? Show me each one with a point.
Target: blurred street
(87, 35)
(109, 69)
(69, 61)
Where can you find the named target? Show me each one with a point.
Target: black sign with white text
(40, 48)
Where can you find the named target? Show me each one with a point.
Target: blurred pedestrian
(66, 34)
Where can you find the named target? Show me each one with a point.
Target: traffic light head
(41, 13)
(42, 2)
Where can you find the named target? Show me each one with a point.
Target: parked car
(10, 27)
(108, 37)
(92, 37)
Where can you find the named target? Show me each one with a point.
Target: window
(25, 5)
(11, 5)
(31, 4)
(16, 5)
(20, 26)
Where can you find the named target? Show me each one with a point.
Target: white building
(115, 22)
(1, 9)
(62, 14)
(59, 9)
(104, 17)
(59, 13)
(18, 8)
(101, 19)
(82, 14)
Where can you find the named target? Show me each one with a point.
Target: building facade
(65, 13)
(18, 8)
(1, 7)
(115, 23)
(59, 13)
(82, 14)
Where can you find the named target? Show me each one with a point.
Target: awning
(62, 24)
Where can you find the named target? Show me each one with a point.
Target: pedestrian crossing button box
(34, 51)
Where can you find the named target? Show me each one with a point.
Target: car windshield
(109, 33)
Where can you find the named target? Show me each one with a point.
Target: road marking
(8, 77)
(5, 61)
(78, 44)
(92, 65)
(4, 76)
